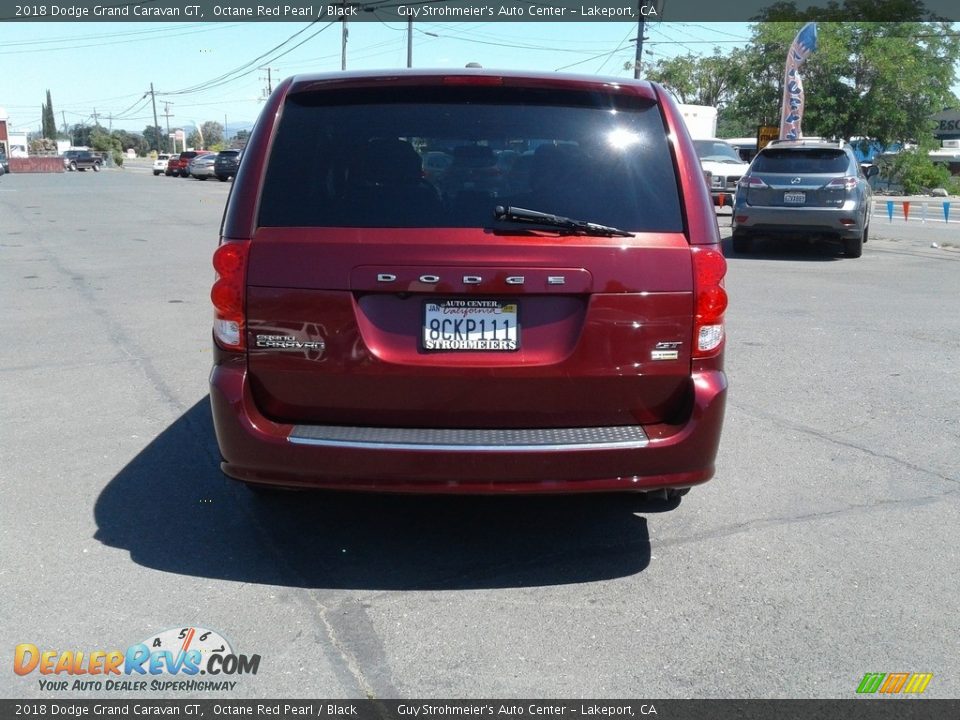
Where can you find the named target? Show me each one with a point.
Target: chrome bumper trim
(470, 440)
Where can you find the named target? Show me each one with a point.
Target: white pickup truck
(722, 161)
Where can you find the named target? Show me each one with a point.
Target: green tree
(915, 171)
(206, 136)
(212, 133)
(714, 80)
(48, 122)
(709, 80)
(155, 138)
(81, 133)
(103, 141)
(880, 80)
(134, 141)
(877, 10)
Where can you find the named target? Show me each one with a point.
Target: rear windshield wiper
(534, 217)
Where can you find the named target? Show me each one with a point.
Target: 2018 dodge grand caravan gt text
(544, 313)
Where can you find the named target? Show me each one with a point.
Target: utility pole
(95, 116)
(156, 125)
(409, 41)
(639, 57)
(166, 114)
(269, 89)
(64, 116)
(344, 34)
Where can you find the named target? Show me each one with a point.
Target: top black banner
(481, 11)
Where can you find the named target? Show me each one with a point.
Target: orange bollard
(906, 210)
(723, 199)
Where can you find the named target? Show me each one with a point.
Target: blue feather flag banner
(792, 114)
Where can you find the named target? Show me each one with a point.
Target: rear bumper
(839, 222)
(258, 450)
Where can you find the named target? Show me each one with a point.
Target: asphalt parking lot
(826, 546)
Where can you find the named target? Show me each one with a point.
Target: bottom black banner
(493, 709)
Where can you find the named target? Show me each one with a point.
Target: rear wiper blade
(522, 215)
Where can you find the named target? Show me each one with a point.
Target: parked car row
(199, 164)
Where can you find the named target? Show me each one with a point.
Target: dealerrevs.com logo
(170, 661)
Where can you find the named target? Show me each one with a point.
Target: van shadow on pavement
(173, 510)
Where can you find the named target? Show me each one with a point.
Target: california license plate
(794, 198)
(471, 324)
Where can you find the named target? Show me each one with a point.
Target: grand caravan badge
(289, 342)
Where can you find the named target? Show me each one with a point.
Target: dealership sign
(947, 122)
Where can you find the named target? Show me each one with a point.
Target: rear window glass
(447, 156)
(801, 161)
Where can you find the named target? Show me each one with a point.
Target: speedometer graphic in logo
(183, 640)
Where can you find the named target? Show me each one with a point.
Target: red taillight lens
(227, 294)
(751, 182)
(709, 269)
(847, 183)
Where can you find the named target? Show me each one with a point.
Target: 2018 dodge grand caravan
(542, 313)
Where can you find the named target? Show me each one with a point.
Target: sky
(107, 68)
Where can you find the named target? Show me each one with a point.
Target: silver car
(202, 166)
(813, 189)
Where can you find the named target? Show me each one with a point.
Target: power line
(252, 65)
(86, 43)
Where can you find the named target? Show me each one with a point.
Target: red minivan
(556, 328)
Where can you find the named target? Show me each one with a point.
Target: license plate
(794, 198)
(471, 324)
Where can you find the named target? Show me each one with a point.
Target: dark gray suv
(813, 189)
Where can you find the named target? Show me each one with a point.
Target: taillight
(472, 80)
(847, 183)
(230, 262)
(709, 268)
(750, 181)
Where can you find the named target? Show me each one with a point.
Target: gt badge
(666, 351)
